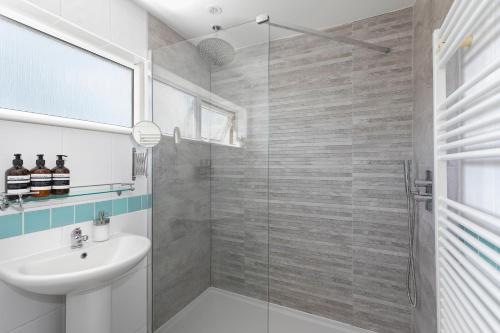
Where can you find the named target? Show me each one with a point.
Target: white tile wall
(120, 21)
(122, 167)
(93, 157)
(53, 6)
(89, 156)
(50, 322)
(18, 307)
(128, 28)
(92, 15)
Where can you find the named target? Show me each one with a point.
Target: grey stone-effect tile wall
(181, 193)
(181, 225)
(311, 177)
(172, 52)
(428, 15)
(382, 128)
(240, 180)
(339, 124)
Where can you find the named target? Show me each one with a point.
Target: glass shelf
(75, 191)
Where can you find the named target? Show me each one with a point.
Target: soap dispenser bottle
(41, 179)
(60, 177)
(17, 179)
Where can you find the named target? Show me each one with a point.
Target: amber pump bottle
(17, 179)
(60, 177)
(41, 179)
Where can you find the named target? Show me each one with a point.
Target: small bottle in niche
(101, 228)
(41, 179)
(60, 177)
(17, 178)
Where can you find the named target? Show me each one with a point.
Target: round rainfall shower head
(216, 51)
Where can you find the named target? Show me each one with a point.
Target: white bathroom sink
(64, 271)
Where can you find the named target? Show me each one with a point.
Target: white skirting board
(220, 311)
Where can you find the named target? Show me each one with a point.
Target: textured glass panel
(174, 108)
(215, 125)
(41, 74)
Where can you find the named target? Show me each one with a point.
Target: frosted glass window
(217, 125)
(174, 108)
(42, 74)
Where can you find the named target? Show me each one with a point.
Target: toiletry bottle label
(41, 182)
(18, 184)
(60, 181)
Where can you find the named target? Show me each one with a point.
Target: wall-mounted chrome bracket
(15, 201)
(139, 164)
(426, 196)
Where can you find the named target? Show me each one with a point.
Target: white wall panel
(92, 15)
(53, 6)
(89, 156)
(93, 157)
(128, 24)
(52, 322)
(121, 158)
(16, 306)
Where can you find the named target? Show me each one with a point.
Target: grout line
(22, 223)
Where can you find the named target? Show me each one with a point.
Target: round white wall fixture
(147, 134)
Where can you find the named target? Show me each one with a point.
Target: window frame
(200, 102)
(87, 42)
(232, 123)
(197, 117)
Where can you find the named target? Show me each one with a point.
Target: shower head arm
(264, 18)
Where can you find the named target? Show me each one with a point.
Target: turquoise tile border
(84, 212)
(106, 206)
(134, 204)
(11, 225)
(62, 216)
(147, 201)
(120, 206)
(38, 220)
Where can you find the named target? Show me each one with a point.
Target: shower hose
(411, 282)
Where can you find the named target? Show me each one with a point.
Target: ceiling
(192, 20)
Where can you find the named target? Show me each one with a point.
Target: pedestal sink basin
(84, 275)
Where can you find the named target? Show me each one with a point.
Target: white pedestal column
(89, 311)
